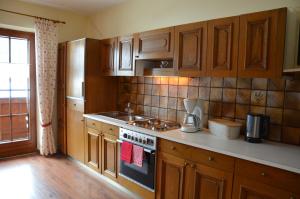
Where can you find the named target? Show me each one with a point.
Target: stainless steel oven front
(145, 175)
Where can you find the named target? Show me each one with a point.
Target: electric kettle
(257, 127)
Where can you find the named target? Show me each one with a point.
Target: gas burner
(155, 124)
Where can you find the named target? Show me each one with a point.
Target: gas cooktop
(155, 124)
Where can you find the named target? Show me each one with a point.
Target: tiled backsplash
(230, 98)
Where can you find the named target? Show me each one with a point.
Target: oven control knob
(140, 140)
(125, 135)
(132, 138)
(129, 136)
(144, 141)
(136, 139)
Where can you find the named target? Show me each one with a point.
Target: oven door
(144, 175)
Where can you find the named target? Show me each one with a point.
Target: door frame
(26, 146)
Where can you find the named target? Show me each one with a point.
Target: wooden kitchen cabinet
(101, 149)
(259, 181)
(170, 176)
(93, 144)
(187, 172)
(190, 49)
(222, 46)
(109, 56)
(125, 60)
(75, 129)
(109, 155)
(86, 91)
(155, 44)
(261, 44)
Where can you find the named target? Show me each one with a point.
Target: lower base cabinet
(101, 148)
(179, 177)
(109, 156)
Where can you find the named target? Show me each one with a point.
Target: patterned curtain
(46, 64)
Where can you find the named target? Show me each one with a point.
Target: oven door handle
(145, 149)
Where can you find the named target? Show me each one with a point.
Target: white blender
(193, 119)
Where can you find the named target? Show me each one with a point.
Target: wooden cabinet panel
(75, 134)
(210, 183)
(109, 156)
(61, 98)
(108, 56)
(92, 146)
(155, 44)
(245, 188)
(125, 56)
(261, 44)
(75, 68)
(190, 49)
(222, 46)
(170, 177)
(94, 124)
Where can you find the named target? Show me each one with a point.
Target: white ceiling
(81, 6)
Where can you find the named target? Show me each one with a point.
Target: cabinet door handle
(185, 164)
(110, 129)
(82, 120)
(292, 197)
(193, 166)
(136, 56)
(210, 158)
(173, 148)
(93, 124)
(82, 89)
(74, 104)
(263, 174)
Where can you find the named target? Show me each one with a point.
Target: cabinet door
(75, 68)
(248, 189)
(261, 44)
(75, 130)
(109, 156)
(190, 49)
(222, 46)
(155, 44)
(125, 56)
(92, 147)
(61, 98)
(170, 177)
(108, 56)
(208, 182)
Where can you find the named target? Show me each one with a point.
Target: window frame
(30, 145)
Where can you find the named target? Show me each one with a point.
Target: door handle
(82, 89)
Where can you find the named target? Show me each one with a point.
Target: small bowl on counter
(225, 129)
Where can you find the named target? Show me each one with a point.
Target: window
(17, 87)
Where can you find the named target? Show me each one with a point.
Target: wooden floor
(37, 177)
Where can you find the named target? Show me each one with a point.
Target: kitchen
(185, 104)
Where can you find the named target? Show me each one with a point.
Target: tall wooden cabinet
(222, 46)
(261, 43)
(87, 90)
(190, 49)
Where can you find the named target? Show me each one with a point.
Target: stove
(155, 124)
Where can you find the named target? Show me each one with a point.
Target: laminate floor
(37, 177)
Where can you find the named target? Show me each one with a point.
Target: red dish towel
(137, 155)
(126, 152)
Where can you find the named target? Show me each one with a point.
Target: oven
(145, 175)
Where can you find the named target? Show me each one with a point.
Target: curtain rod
(18, 13)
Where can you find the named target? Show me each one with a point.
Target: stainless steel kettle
(257, 127)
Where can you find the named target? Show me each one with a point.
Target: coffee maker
(193, 118)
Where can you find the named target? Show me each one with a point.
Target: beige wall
(73, 29)
(140, 15)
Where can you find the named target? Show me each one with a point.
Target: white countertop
(273, 154)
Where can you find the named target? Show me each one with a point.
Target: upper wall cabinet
(125, 63)
(156, 44)
(222, 46)
(190, 49)
(261, 43)
(108, 56)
